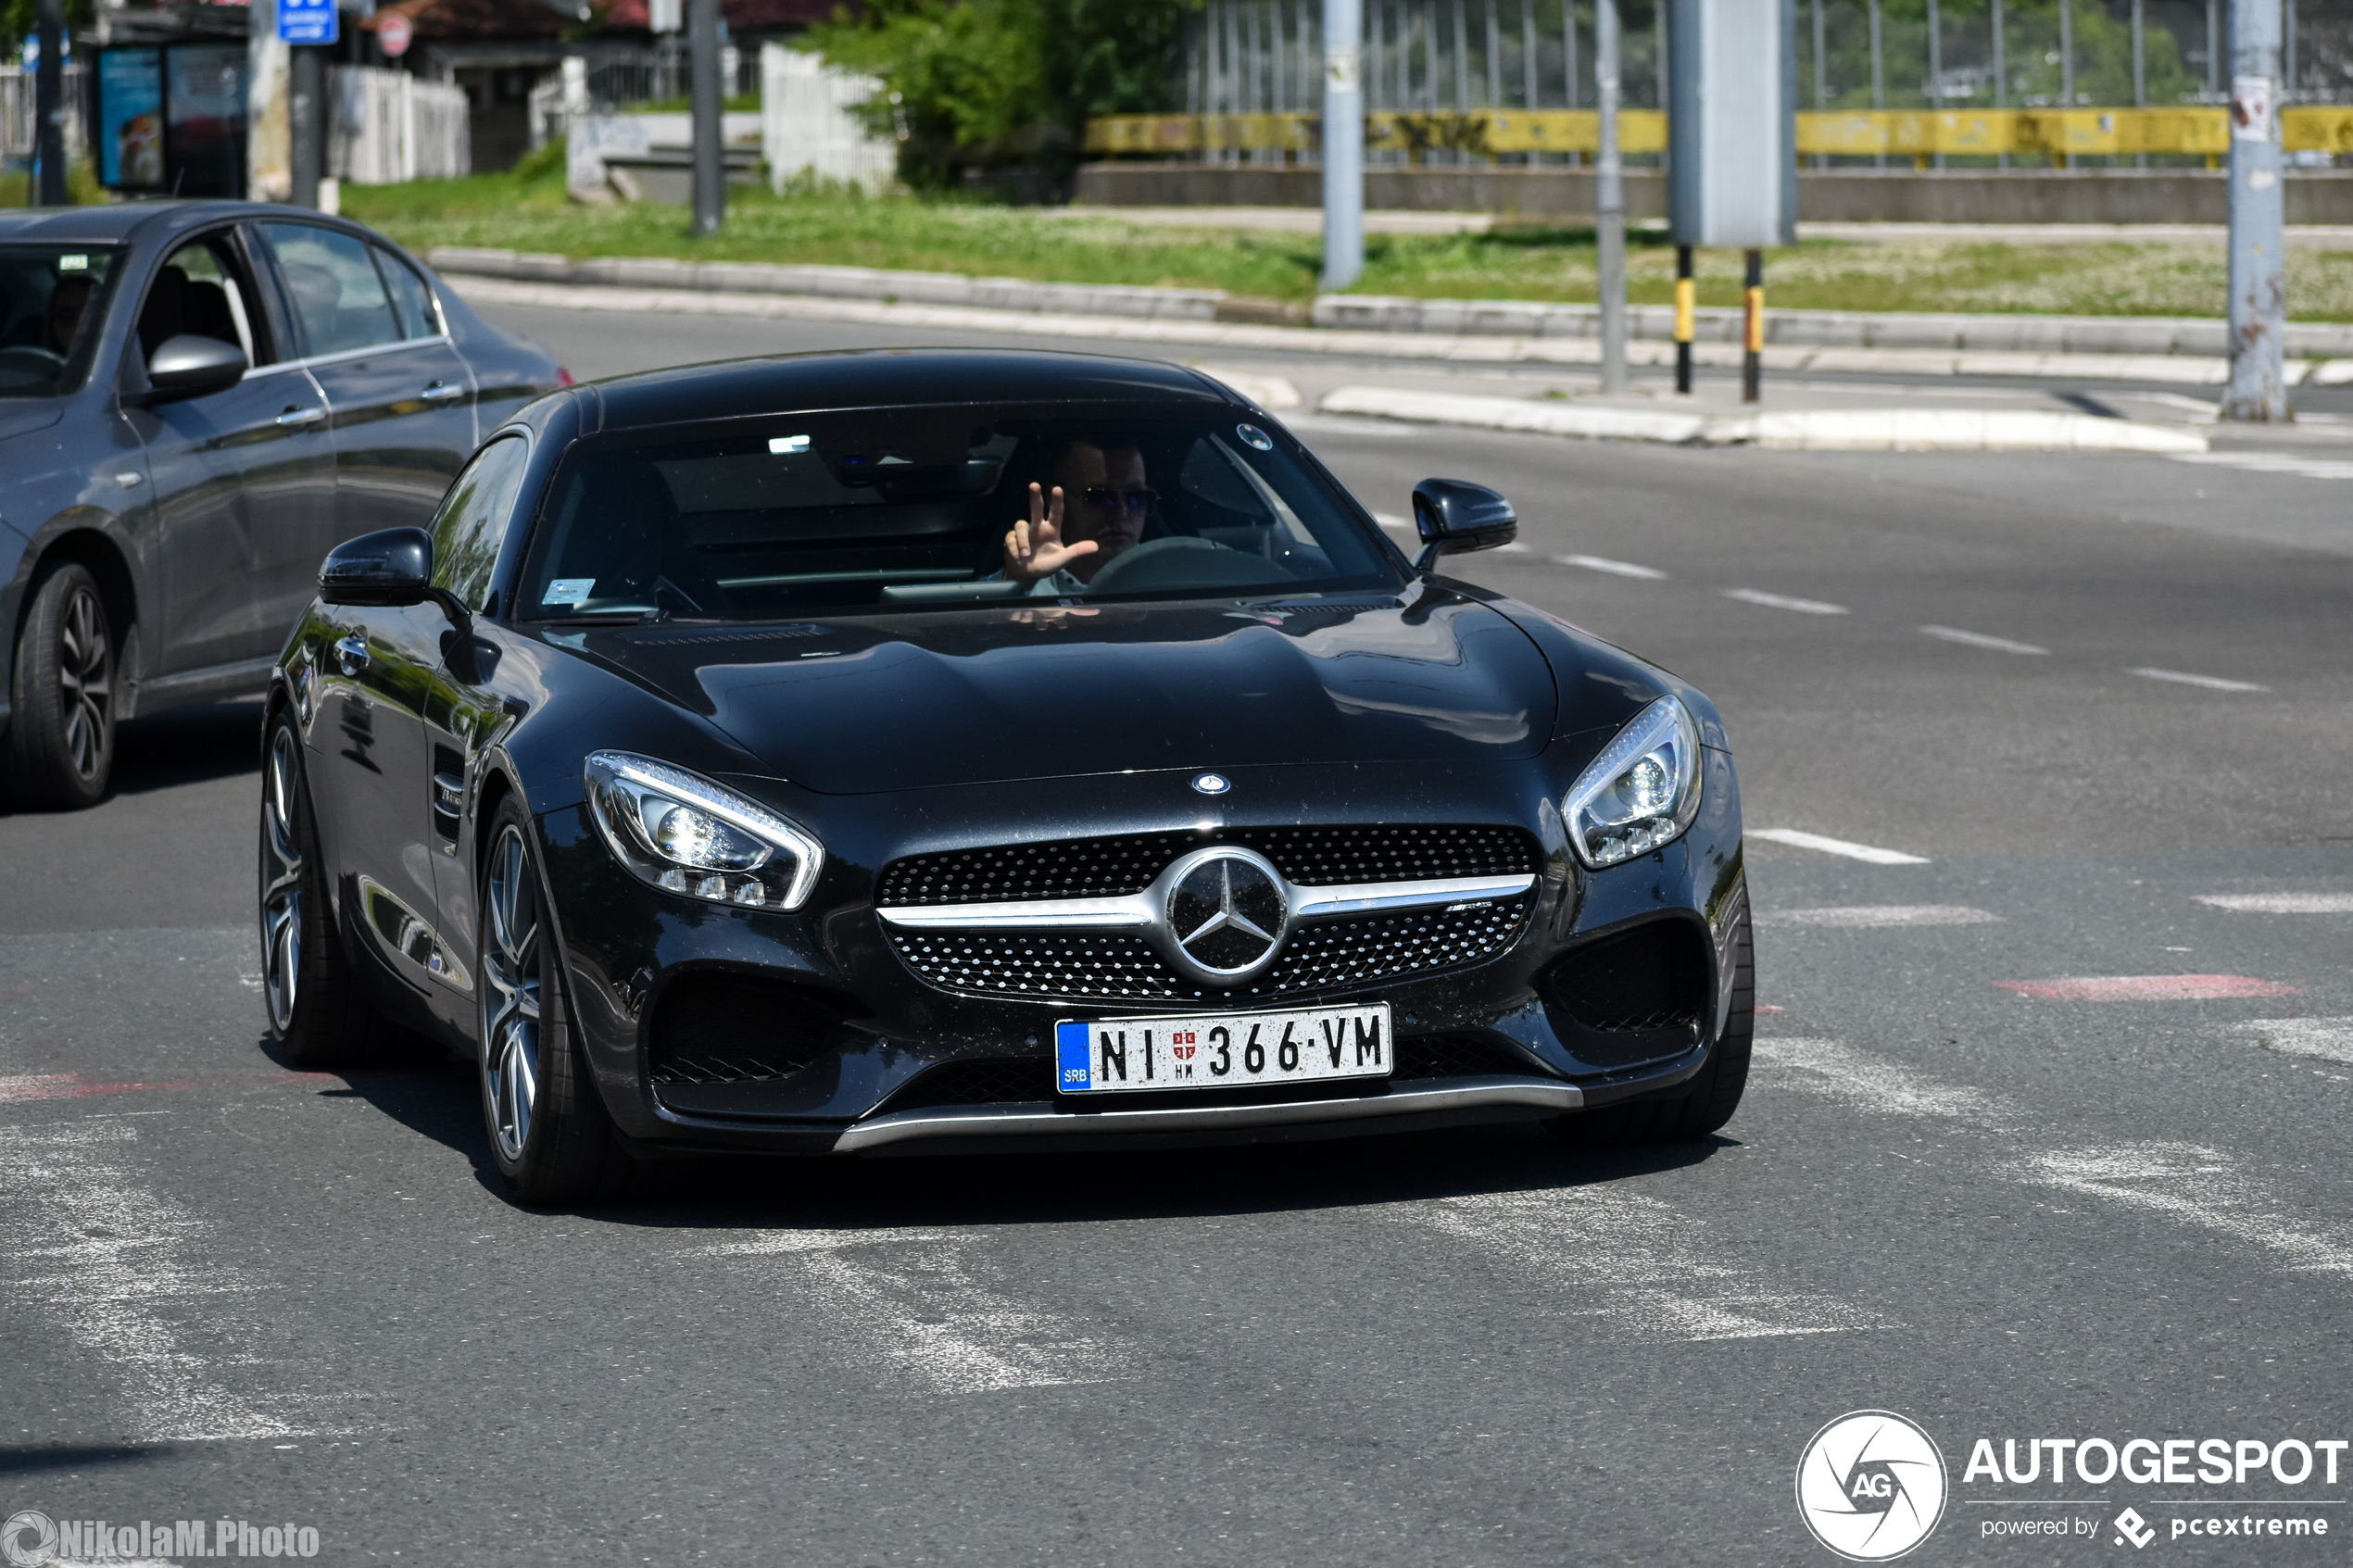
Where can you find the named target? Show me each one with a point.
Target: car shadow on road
(185, 746)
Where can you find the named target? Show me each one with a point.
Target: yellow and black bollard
(1686, 312)
(1753, 334)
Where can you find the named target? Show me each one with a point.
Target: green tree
(992, 84)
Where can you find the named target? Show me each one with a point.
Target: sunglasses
(1139, 500)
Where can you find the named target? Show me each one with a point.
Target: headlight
(685, 835)
(1641, 792)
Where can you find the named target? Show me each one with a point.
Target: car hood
(875, 703)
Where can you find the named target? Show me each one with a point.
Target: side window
(410, 299)
(472, 519)
(333, 287)
(197, 291)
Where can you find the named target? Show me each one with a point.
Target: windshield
(945, 507)
(51, 298)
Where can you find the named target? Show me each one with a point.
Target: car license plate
(1220, 1051)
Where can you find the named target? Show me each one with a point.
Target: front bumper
(627, 946)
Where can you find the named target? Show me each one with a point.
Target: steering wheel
(1184, 564)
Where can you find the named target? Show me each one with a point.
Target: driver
(67, 302)
(1096, 512)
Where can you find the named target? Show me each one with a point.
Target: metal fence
(17, 116)
(1432, 58)
(388, 127)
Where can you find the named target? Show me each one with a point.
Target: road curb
(1466, 348)
(1945, 430)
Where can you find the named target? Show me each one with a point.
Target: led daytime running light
(685, 835)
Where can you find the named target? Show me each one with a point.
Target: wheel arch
(85, 544)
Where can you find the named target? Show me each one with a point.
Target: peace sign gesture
(1033, 547)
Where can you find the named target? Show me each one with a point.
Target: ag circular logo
(1871, 1486)
(27, 1538)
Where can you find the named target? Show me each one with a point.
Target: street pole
(1609, 199)
(1686, 317)
(1753, 329)
(1344, 144)
(710, 104)
(2258, 387)
(306, 125)
(50, 105)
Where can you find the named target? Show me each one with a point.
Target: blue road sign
(307, 21)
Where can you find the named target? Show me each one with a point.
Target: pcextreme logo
(1871, 1486)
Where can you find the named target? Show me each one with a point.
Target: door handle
(440, 393)
(352, 654)
(294, 418)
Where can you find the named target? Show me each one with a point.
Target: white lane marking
(1614, 568)
(2212, 682)
(1870, 916)
(131, 1278)
(1853, 851)
(2281, 903)
(2201, 1186)
(1836, 1070)
(2322, 1039)
(1980, 640)
(2291, 463)
(1402, 524)
(1635, 1263)
(910, 1297)
(1263, 387)
(1782, 601)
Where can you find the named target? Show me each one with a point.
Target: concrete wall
(2123, 196)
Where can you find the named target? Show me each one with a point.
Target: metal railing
(17, 117)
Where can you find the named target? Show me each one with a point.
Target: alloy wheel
(85, 685)
(510, 993)
(282, 871)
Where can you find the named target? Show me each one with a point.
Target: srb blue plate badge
(1220, 1051)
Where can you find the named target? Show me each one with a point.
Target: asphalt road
(2112, 1210)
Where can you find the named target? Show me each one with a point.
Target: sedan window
(409, 296)
(334, 287)
(51, 301)
(196, 292)
(472, 519)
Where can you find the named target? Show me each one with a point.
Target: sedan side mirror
(189, 365)
(1455, 516)
(391, 567)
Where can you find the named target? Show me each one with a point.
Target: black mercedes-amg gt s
(915, 751)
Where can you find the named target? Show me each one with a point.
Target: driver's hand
(1034, 548)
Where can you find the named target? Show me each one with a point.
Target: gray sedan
(198, 400)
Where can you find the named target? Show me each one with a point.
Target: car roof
(876, 378)
(120, 223)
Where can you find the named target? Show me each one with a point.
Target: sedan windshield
(916, 506)
(50, 302)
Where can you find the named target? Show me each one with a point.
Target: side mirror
(393, 567)
(1455, 516)
(189, 365)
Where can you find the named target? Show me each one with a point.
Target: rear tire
(61, 744)
(550, 1132)
(1702, 1104)
(318, 1011)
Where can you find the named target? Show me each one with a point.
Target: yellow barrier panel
(1835, 132)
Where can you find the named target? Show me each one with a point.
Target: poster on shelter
(204, 93)
(130, 118)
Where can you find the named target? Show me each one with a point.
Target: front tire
(550, 1132)
(61, 744)
(318, 1011)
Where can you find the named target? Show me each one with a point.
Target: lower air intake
(731, 1028)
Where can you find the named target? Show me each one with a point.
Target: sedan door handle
(297, 417)
(440, 393)
(352, 654)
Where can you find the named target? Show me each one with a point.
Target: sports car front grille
(1308, 856)
(1031, 1079)
(1337, 956)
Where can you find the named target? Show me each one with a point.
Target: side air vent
(1635, 996)
(730, 1029)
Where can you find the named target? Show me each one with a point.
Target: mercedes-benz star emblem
(1212, 784)
(1226, 913)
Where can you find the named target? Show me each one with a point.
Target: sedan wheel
(317, 1010)
(550, 1132)
(284, 869)
(60, 749)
